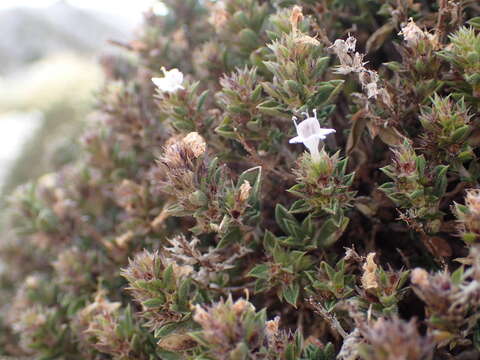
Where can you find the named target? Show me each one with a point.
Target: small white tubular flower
(310, 133)
(171, 82)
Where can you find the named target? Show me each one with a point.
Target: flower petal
(171, 82)
(324, 132)
(295, 140)
(308, 127)
(157, 80)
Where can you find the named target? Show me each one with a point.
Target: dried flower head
(100, 305)
(245, 189)
(156, 279)
(419, 277)
(468, 216)
(73, 268)
(395, 339)
(210, 261)
(306, 40)
(372, 90)
(32, 281)
(127, 194)
(349, 350)
(473, 203)
(272, 326)
(411, 33)
(352, 62)
(310, 133)
(296, 17)
(452, 303)
(228, 325)
(171, 82)
(219, 16)
(122, 241)
(369, 277)
(83, 318)
(31, 319)
(195, 143)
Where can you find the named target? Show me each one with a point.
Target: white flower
(171, 82)
(310, 133)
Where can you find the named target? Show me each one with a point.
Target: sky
(130, 10)
(16, 128)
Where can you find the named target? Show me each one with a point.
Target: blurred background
(50, 68)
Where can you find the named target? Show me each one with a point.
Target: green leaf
(269, 241)
(457, 276)
(290, 293)
(460, 134)
(357, 130)
(183, 292)
(261, 286)
(390, 136)
(232, 236)
(168, 278)
(290, 352)
(154, 303)
(226, 131)
(393, 65)
(387, 187)
(249, 38)
(271, 107)
(329, 352)
(420, 164)
(475, 22)
(299, 206)
(476, 336)
(168, 355)
(441, 181)
(126, 326)
(254, 177)
(325, 93)
(380, 36)
(240, 352)
(201, 100)
(261, 271)
(294, 88)
(330, 231)
(328, 269)
(284, 219)
(389, 171)
(167, 330)
(256, 94)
